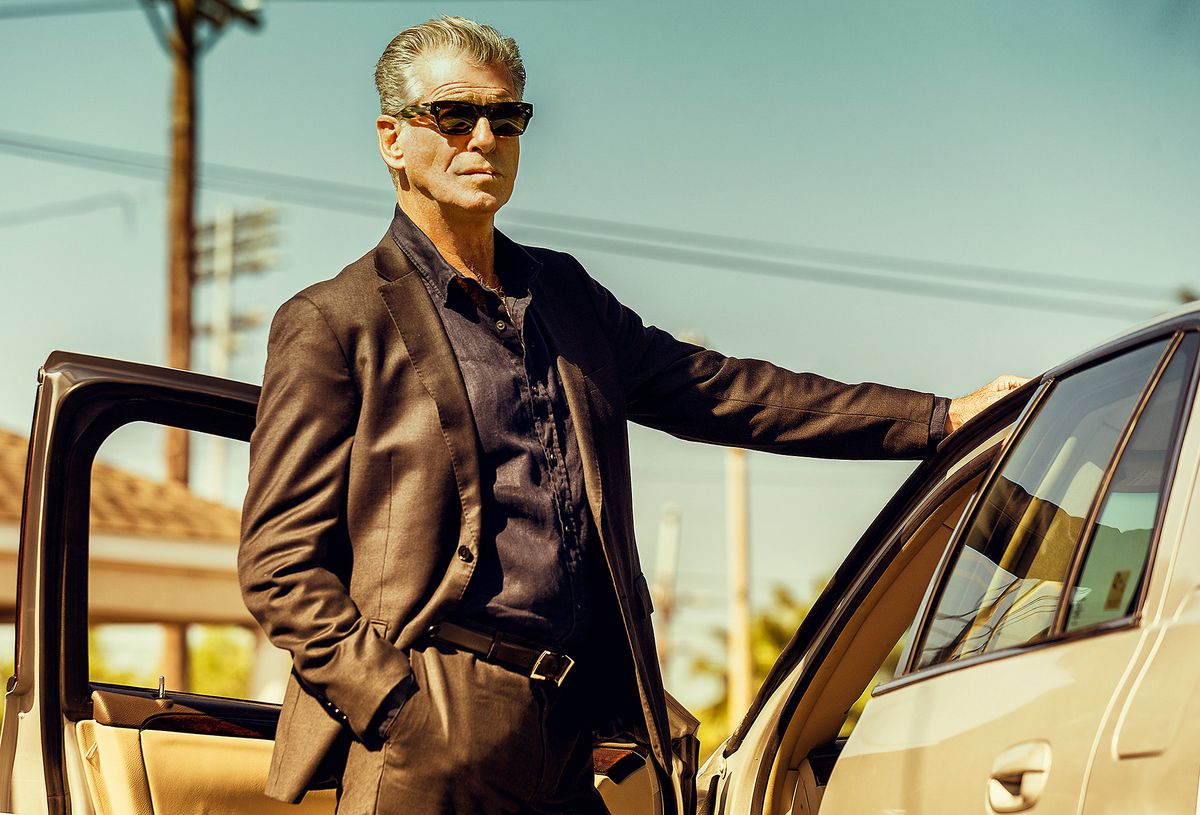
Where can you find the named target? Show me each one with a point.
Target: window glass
(1007, 577)
(1116, 557)
(163, 595)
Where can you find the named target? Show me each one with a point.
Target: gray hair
(479, 43)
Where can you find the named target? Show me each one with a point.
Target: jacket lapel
(429, 351)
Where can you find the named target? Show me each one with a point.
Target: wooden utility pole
(181, 38)
(180, 218)
(737, 499)
(182, 41)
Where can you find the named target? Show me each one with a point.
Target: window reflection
(1008, 576)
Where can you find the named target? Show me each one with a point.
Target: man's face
(473, 172)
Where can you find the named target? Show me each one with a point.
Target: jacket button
(465, 554)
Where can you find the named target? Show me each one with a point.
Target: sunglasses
(455, 118)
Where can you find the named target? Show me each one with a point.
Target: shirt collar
(514, 265)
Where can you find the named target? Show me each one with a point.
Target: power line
(724, 253)
(841, 257)
(844, 277)
(50, 9)
(353, 198)
(68, 7)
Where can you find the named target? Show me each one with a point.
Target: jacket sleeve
(293, 521)
(701, 395)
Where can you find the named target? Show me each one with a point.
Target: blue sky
(1022, 152)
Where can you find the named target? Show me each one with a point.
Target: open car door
(780, 758)
(152, 566)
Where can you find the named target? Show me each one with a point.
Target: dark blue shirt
(531, 578)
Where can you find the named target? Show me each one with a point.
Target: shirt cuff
(393, 703)
(937, 422)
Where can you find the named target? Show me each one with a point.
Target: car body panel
(1148, 751)
(738, 777)
(931, 746)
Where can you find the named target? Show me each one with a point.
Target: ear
(387, 129)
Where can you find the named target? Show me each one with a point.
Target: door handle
(1019, 776)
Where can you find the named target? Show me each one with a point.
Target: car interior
(145, 754)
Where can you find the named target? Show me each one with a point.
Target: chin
(484, 203)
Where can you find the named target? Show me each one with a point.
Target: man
(438, 525)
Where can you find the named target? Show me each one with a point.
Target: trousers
(477, 738)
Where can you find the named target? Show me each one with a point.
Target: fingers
(1008, 382)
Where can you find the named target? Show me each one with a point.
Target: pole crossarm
(186, 13)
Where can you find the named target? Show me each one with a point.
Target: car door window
(1121, 539)
(1007, 576)
(163, 596)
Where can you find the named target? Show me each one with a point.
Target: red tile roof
(123, 503)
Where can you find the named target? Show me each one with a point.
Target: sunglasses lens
(509, 119)
(455, 119)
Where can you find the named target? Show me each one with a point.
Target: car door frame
(80, 401)
(933, 480)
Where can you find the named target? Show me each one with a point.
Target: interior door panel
(185, 754)
(144, 755)
(150, 772)
(625, 779)
(113, 767)
(190, 773)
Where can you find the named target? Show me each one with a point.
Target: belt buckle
(565, 664)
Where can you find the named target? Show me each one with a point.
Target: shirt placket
(535, 371)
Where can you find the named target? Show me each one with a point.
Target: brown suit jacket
(361, 523)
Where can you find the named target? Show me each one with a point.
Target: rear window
(1115, 562)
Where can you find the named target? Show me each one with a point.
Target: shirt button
(501, 325)
(465, 555)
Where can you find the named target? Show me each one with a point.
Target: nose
(483, 140)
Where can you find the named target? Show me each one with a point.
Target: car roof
(1185, 316)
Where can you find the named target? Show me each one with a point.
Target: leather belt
(492, 646)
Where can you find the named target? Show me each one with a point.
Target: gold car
(1040, 575)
